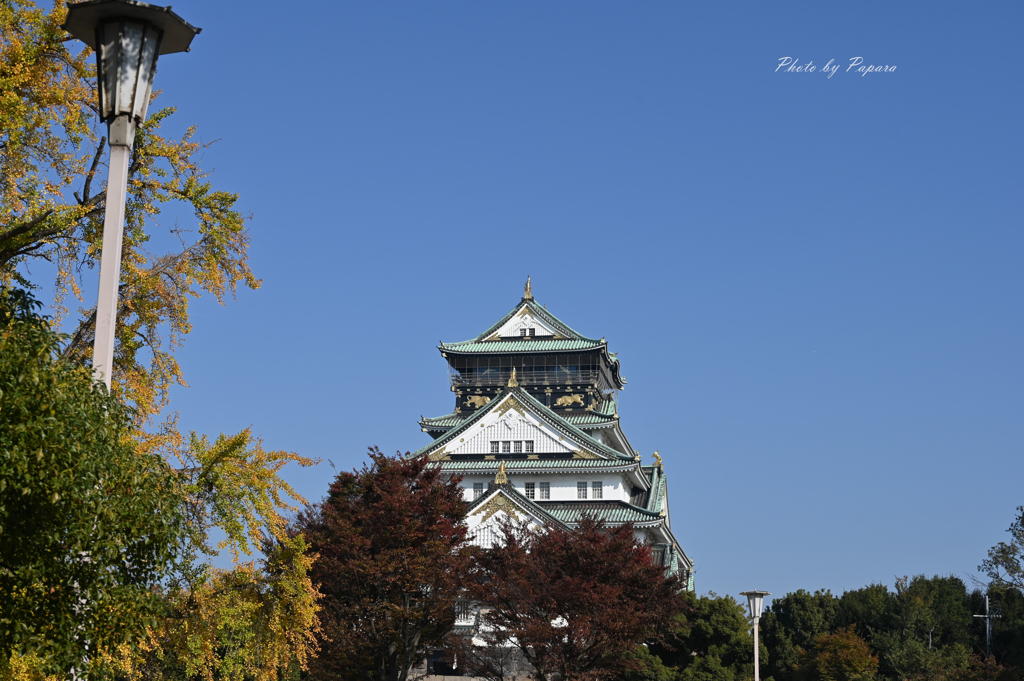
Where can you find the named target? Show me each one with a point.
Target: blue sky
(813, 284)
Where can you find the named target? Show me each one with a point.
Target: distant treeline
(924, 629)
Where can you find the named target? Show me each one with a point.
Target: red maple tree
(392, 557)
(574, 602)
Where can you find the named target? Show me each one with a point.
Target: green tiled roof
(539, 345)
(566, 338)
(587, 418)
(657, 477)
(609, 511)
(447, 421)
(604, 414)
(516, 465)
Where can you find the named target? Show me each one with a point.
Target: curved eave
(520, 347)
(530, 466)
(613, 514)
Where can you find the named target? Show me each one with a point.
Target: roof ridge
(536, 308)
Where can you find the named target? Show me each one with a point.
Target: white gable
(511, 421)
(485, 520)
(524, 319)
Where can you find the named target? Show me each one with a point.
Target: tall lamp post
(127, 36)
(755, 601)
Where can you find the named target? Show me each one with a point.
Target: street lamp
(755, 601)
(127, 36)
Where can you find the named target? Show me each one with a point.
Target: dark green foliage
(790, 626)
(88, 526)
(925, 629)
(842, 656)
(712, 641)
(866, 609)
(1008, 629)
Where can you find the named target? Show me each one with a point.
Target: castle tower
(536, 405)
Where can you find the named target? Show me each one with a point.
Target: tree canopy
(52, 200)
(1005, 562)
(710, 641)
(392, 560)
(257, 618)
(89, 527)
(575, 602)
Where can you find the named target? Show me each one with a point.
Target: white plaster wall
(511, 426)
(563, 487)
(518, 321)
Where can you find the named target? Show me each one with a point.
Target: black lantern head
(128, 36)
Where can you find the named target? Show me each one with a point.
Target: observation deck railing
(525, 376)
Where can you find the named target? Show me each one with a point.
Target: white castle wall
(563, 486)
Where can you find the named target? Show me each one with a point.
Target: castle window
(494, 446)
(597, 488)
(529, 446)
(506, 447)
(530, 493)
(517, 446)
(581, 490)
(478, 490)
(545, 490)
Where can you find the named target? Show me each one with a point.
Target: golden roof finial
(658, 460)
(512, 382)
(501, 478)
(528, 293)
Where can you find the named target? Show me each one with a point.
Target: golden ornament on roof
(501, 478)
(528, 292)
(512, 382)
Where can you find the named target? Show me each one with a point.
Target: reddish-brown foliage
(574, 602)
(392, 557)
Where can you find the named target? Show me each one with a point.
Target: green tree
(1007, 629)
(921, 628)
(1004, 565)
(256, 617)
(711, 639)
(52, 201)
(88, 526)
(867, 609)
(842, 656)
(790, 626)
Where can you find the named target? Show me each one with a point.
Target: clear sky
(813, 283)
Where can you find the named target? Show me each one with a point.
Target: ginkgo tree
(253, 619)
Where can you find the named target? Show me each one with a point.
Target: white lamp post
(128, 36)
(755, 601)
